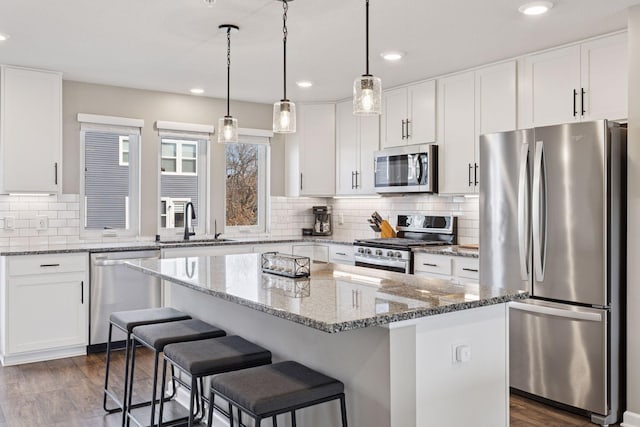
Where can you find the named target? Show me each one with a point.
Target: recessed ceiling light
(196, 91)
(304, 83)
(392, 55)
(535, 8)
(3, 37)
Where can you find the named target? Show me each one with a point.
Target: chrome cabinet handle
(469, 174)
(429, 264)
(473, 270)
(352, 177)
(582, 101)
(407, 124)
(49, 265)
(341, 253)
(475, 174)
(55, 173)
(357, 185)
(82, 292)
(403, 134)
(575, 109)
(300, 180)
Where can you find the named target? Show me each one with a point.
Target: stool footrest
(173, 414)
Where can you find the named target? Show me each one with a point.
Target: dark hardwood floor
(68, 392)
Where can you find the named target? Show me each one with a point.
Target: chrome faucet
(188, 220)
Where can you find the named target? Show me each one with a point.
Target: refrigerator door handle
(538, 216)
(524, 243)
(557, 312)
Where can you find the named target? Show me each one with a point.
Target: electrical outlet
(341, 218)
(42, 222)
(9, 222)
(461, 353)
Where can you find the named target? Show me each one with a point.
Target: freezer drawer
(559, 352)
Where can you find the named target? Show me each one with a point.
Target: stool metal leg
(275, 421)
(192, 399)
(230, 415)
(212, 398)
(129, 393)
(106, 373)
(154, 388)
(162, 386)
(293, 418)
(343, 410)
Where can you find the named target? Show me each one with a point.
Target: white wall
(632, 416)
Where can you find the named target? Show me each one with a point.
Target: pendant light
(284, 112)
(367, 89)
(227, 125)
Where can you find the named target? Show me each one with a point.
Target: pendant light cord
(285, 32)
(228, 67)
(367, 36)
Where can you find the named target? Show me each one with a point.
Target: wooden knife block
(386, 230)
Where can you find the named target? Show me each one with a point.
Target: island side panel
(359, 358)
(461, 394)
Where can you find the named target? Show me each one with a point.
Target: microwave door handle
(419, 169)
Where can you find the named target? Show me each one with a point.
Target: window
(179, 157)
(124, 150)
(111, 179)
(183, 179)
(246, 186)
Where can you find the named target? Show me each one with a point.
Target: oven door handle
(383, 262)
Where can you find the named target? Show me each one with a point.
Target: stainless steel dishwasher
(116, 287)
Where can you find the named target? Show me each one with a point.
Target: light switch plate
(42, 222)
(10, 222)
(461, 353)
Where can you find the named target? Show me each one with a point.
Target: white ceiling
(174, 45)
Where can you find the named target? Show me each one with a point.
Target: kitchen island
(411, 351)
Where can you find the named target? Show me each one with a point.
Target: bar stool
(268, 391)
(126, 321)
(156, 337)
(200, 359)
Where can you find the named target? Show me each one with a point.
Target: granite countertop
(449, 250)
(168, 243)
(334, 298)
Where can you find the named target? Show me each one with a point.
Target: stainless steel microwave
(410, 169)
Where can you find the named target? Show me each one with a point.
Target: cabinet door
(46, 312)
(369, 144)
(456, 159)
(604, 78)
(553, 86)
(496, 98)
(394, 113)
(346, 148)
(31, 130)
(317, 150)
(422, 113)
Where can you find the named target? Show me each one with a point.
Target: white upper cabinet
(457, 134)
(469, 105)
(357, 138)
(30, 130)
(310, 152)
(409, 115)
(581, 82)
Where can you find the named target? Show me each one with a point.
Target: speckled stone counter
(449, 250)
(334, 298)
(169, 243)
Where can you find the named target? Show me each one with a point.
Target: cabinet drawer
(341, 254)
(430, 263)
(46, 264)
(467, 268)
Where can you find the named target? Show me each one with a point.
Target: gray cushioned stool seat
(161, 334)
(273, 388)
(127, 320)
(212, 356)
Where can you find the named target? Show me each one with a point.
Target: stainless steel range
(414, 231)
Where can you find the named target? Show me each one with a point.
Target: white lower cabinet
(316, 253)
(341, 254)
(456, 268)
(45, 306)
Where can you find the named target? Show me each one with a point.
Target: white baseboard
(41, 356)
(630, 419)
(182, 397)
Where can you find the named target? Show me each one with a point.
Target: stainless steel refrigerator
(552, 221)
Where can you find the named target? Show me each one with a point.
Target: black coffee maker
(322, 221)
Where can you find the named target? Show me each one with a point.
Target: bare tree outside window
(242, 184)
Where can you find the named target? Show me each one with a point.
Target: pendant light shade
(227, 125)
(284, 112)
(367, 89)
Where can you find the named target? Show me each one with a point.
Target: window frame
(132, 206)
(202, 142)
(261, 139)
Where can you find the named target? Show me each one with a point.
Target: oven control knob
(398, 255)
(379, 252)
(367, 251)
(390, 254)
(360, 250)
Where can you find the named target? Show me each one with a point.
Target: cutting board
(470, 246)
